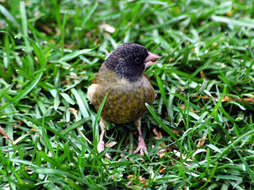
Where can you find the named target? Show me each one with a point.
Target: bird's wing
(92, 89)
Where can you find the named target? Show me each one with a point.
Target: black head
(128, 61)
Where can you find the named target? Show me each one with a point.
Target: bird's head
(130, 60)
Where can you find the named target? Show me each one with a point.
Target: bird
(128, 89)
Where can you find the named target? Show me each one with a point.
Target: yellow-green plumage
(126, 99)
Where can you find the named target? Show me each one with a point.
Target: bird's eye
(137, 60)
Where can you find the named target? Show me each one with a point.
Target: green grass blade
(74, 126)
(162, 125)
(95, 123)
(23, 92)
(89, 14)
(7, 14)
(80, 103)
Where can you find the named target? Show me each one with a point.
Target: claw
(141, 146)
(141, 143)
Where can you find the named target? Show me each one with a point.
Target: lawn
(199, 131)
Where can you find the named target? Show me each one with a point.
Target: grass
(199, 131)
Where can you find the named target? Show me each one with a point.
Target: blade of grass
(74, 126)
(95, 123)
(24, 26)
(80, 103)
(7, 14)
(89, 14)
(23, 92)
(242, 23)
(215, 109)
(162, 125)
(162, 90)
(73, 55)
(231, 146)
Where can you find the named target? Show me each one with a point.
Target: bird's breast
(126, 100)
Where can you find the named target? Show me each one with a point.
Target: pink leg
(141, 143)
(101, 144)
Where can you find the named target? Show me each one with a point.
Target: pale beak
(151, 59)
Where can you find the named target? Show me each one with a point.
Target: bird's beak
(151, 59)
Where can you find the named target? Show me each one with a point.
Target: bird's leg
(101, 144)
(141, 143)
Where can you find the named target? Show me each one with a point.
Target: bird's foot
(101, 146)
(141, 146)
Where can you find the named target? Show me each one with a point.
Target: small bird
(122, 77)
